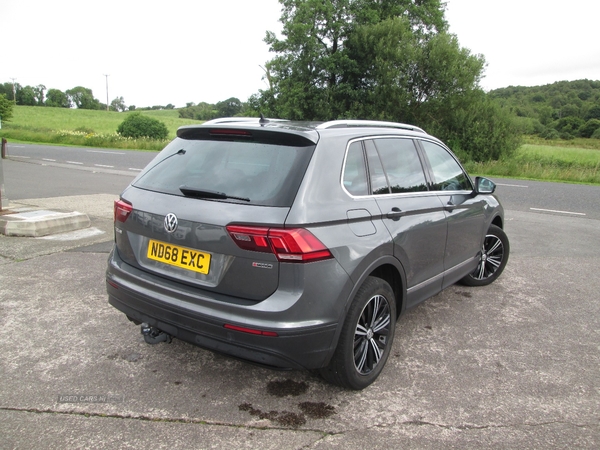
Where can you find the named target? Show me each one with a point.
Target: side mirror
(484, 186)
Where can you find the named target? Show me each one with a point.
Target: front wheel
(366, 339)
(494, 255)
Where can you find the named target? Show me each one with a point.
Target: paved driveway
(512, 365)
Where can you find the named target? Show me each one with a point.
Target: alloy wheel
(370, 336)
(492, 254)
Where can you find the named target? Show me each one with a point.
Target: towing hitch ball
(154, 335)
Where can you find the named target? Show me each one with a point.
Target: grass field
(576, 161)
(547, 162)
(81, 127)
(101, 122)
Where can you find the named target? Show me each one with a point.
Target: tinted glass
(401, 164)
(379, 183)
(355, 171)
(447, 173)
(267, 174)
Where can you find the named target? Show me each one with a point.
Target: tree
(83, 98)
(229, 108)
(593, 112)
(9, 89)
(137, 126)
(118, 104)
(588, 129)
(6, 108)
(57, 99)
(386, 60)
(26, 96)
(312, 61)
(39, 94)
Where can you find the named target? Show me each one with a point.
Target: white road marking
(74, 162)
(19, 156)
(559, 212)
(102, 165)
(108, 153)
(48, 159)
(137, 170)
(512, 185)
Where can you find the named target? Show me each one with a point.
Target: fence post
(3, 199)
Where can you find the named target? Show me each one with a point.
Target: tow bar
(154, 335)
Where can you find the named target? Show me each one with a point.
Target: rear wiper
(203, 193)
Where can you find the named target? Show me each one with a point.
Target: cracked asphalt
(514, 365)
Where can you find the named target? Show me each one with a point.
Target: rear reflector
(122, 210)
(251, 330)
(290, 245)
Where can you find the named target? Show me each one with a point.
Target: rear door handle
(395, 213)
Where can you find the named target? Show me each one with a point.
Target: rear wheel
(494, 255)
(366, 338)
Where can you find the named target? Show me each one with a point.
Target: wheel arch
(498, 222)
(388, 269)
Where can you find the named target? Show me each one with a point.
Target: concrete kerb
(37, 223)
(49, 216)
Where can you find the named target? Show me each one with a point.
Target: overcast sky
(180, 51)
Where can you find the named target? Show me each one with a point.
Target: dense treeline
(78, 97)
(565, 109)
(207, 111)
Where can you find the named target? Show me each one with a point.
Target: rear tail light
(289, 245)
(122, 210)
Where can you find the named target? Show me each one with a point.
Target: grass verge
(573, 161)
(545, 162)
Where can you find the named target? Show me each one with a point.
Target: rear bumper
(201, 322)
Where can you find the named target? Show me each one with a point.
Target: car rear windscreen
(256, 173)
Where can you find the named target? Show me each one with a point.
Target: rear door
(413, 215)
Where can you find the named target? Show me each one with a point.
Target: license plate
(174, 255)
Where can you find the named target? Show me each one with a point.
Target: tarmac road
(512, 365)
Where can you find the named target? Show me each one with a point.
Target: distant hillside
(565, 109)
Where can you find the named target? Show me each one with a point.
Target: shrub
(6, 108)
(588, 129)
(137, 126)
(549, 134)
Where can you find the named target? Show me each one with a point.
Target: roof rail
(368, 123)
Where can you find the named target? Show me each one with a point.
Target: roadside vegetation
(84, 127)
(351, 59)
(550, 161)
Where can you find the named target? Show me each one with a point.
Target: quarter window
(355, 171)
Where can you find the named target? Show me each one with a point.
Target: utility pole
(106, 91)
(14, 91)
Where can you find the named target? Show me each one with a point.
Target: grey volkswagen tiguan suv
(298, 245)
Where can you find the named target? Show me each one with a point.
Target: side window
(401, 164)
(355, 171)
(447, 173)
(379, 182)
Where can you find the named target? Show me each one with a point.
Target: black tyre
(366, 339)
(494, 255)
